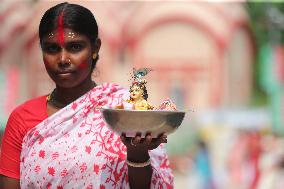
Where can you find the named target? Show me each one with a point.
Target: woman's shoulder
(34, 103)
(27, 115)
(35, 107)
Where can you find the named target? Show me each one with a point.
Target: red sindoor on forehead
(60, 29)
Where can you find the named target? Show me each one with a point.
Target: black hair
(75, 17)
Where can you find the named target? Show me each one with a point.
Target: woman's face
(67, 56)
(136, 92)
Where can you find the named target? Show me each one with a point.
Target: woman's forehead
(65, 34)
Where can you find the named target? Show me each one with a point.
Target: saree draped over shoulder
(74, 148)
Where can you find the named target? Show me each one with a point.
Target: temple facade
(201, 54)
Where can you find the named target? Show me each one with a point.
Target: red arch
(132, 40)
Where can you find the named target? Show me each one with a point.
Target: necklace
(51, 99)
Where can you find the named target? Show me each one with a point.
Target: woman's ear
(97, 46)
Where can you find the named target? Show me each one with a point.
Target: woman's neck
(67, 95)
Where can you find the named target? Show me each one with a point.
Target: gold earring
(94, 56)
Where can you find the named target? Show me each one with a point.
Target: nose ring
(68, 61)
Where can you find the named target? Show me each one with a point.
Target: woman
(60, 140)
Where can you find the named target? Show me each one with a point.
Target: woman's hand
(137, 147)
(143, 144)
(8, 183)
(137, 152)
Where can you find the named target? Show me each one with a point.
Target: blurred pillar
(272, 84)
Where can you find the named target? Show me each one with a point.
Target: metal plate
(143, 121)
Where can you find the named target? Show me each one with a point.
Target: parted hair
(75, 17)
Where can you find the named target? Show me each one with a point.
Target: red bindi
(60, 29)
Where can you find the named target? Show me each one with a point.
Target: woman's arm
(139, 177)
(145, 177)
(9, 183)
(10, 152)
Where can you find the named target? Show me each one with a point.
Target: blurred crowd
(253, 160)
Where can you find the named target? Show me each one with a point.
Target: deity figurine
(138, 92)
(138, 96)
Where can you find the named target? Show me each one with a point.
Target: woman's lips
(65, 71)
(65, 74)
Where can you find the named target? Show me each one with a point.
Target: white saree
(74, 148)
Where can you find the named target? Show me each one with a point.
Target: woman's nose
(64, 59)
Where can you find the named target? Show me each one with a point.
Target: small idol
(138, 94)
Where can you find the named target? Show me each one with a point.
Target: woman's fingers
(137, 139)
(163, 138)
(123, 138)
(147, 142)
(148, 139)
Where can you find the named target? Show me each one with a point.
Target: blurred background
(222, 62)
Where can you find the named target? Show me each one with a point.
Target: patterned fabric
(75, 149)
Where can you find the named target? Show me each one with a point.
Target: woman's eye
(52, 49)
(75, 47)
